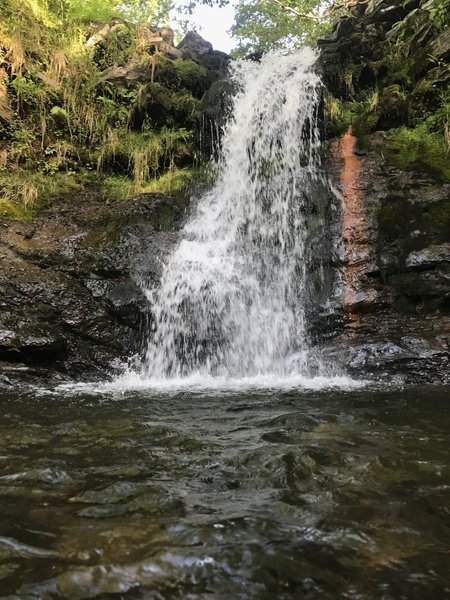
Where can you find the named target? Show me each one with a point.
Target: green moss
(436, 220)
(365, 113)
(15, 211)
(425, 147)
(406, 226)
(439, 13)
(24, 193)
(189, 72)
(177, 105)
(418, 148)
(170, 183)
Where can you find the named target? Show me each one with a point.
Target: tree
(262, 25)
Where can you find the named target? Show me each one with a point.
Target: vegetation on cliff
(92, 95)
(89, 93)
(387, 70)
(386, 67)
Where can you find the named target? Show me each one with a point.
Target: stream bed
(244, 494)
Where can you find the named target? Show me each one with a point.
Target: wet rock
(397, 321)
(31, 343)
(5, 381)
(216, 107)
(429, 257)
(71, 303)
(376, 355)
(407, 359)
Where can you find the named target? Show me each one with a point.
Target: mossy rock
(365, 123)
(418, 149)
(393, 107)
(192, 76)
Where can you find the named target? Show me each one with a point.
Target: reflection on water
(229, 495)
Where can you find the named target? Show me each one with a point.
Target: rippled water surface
(283, 494)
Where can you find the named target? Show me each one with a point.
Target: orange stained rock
(354, 223)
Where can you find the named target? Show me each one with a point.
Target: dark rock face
(71, 304)
(392, 305)
(393, 226)
(193, 46)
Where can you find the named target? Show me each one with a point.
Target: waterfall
(232, 298)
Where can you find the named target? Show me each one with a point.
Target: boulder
(193, 46)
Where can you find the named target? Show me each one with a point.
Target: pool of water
(271, 494)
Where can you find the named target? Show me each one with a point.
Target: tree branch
(346, 4)
(297, 13)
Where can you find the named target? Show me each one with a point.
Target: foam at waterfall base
(203, 383)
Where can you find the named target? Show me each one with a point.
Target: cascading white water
(231, 301)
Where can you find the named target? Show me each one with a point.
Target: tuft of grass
(340, 114)
(171, 183)
(23, 192)
(176, 181)
(147, 154)
(116, 188)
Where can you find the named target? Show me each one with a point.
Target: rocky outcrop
(71, 301)
(194, 47)
(392, 309)
(387, 66)
(156, 63)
